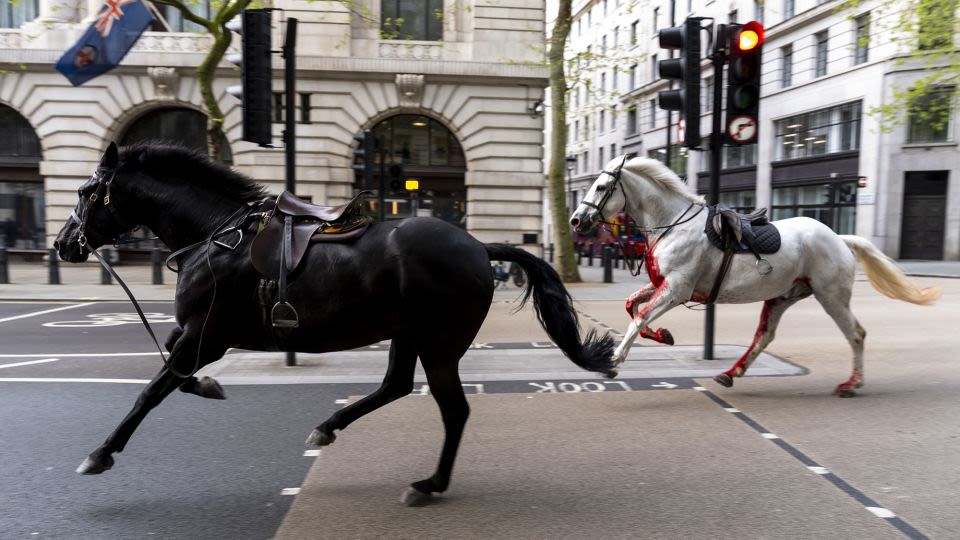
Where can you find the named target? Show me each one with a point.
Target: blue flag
(117, 27)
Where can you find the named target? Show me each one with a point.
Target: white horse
(683, 265)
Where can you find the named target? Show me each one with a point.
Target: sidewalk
(81, 282)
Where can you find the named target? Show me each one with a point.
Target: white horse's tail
(886, 276)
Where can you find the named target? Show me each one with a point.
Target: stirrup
(284, 316)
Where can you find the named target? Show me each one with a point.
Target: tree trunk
(562, 239)
(206, 72)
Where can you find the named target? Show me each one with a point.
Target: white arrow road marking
(664, 384)
(44, 361)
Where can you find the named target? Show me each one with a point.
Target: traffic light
(364, 155)
(686, 70)
(396, 177)
(256, 91)
(743, 87)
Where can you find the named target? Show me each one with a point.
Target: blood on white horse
(682, 264)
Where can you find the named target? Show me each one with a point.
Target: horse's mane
(661, 174)
(183, 162)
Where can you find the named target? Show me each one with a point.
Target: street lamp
(571, 163)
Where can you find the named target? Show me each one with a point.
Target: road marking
(731, 410)
(44, 361)
(78, 355)
(60, 380)
(769, 436)
(311, 453)
(663, 384)
(290, 491)
(818, 469)
(44, 312)
(881, 512)
(699, 389)
(342, 401)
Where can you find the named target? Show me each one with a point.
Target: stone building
(458, 101)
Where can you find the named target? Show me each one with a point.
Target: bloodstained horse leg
(397, 383)
(661, 300)
(660, 335)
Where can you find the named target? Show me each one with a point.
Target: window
(586, 161)
(788, 9)
(579, 27)
(929, 116)
(603, 45)
(742, 201)
(786, 66)
(602, 122)
(613, 79)
(822, 40)
(613, 150)
(937, 21)
(603, 83)
(732, 16)
(631, 121)
(758, 11)
(739, 156)
(613, 118)
(832, 203)
(14, 14)
(826, 131)
(419, 20)
(654, 72)
(633, 32)
(600, 161)
(576, 130)
(604, 8)
(708, 94)
(616, 37)
(589, 18)
(632, 77)
(678, 158)
(653, 113)
(656, 20)
(862, 35)
(175, 20)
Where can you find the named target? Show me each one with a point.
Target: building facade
(455, 107)
(821, 153)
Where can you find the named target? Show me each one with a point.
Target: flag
(115, 30)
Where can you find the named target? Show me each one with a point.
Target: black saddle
(742, 232)
(289, 226)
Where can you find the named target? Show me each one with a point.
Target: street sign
(681, 130)
(742, 129)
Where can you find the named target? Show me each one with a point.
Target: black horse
(420, 282)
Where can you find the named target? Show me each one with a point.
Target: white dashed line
(311, 453)
(881, 512)
(731, 409)
(769, 436)
(819, 470)
(699, 389)
(342, 401)
(290, 491)
(44, 361)
(57, 379)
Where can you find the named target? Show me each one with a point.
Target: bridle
(83, 218)
(608, 192)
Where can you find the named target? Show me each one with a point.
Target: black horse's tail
(554, 308)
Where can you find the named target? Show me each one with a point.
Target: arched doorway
(175, 125)
(21, 187)
(416, 147)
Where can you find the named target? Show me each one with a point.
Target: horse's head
(94, 221)
(605, 198)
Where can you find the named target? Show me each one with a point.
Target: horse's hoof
(666, 337)
(209, 388)
(724, 380)
(319, 438)
(844, 392)
(611, 373)
(414, 497)
(92, 466)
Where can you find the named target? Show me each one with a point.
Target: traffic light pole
(290, 127)
(716, 149)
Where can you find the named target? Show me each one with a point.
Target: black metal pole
(716, 147)
(669, 156)
(290, 131)
(4, 274)
(382, 184)
(156, 261)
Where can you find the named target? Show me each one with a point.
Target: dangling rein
(632, 265)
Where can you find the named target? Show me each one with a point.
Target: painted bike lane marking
(44, 312)
(28, 363)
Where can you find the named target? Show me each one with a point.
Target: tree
(207, 70)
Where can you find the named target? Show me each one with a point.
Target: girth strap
(283, 315)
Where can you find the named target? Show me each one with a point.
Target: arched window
(182, 126)
(419, 20)
(21, 187)
(177, 22)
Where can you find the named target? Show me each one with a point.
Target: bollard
(607, 258)
(105, 278)
(53, 265)
(579, 254)
(550, 253)
(157, 266)
(590, 256)
(4, 272)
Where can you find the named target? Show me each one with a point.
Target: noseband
(610, 189)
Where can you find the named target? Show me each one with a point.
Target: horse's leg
(159, 388)
(206, 387)
(448, 392)
(661, 300)
(397, 383)
(773, 310)
(838, 307)
(660, 335)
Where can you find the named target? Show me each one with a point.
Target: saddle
(733, 232)
(289, 225)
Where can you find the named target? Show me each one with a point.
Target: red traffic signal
(747, 38)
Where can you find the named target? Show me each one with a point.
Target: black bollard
(4, 271)
(550, 253)
(53, 265)
(590, 256)
(105, 278)
(155, 259)
(607, 259)
(579, 254)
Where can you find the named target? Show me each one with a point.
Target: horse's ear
(110, 157)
